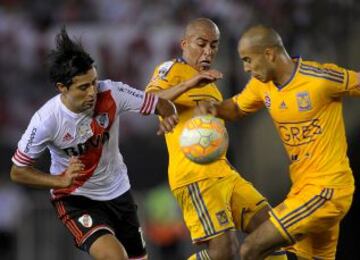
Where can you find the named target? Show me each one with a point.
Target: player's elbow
(237, 114)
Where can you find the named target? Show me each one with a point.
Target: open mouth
(205, 63)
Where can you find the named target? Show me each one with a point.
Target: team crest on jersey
(222, 217)
(67, 137)
(103, 120)
(267, 100)
(86, 220)
(303, 101)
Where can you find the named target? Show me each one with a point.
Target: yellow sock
(277, 255)
(201, 255)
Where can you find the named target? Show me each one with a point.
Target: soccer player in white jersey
(90, 188)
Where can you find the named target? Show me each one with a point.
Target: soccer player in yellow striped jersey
(214, 199)
(304, 99)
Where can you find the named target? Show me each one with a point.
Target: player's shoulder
(170, 66)
(48, 109)
(105, 85)
(315, 66)
(325, 71)
(46, 116)
(254, 83)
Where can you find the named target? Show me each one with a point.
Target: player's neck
(68, 105)
(285, 71)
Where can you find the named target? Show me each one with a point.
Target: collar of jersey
(298, 61)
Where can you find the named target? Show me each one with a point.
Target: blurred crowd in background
(127, 39)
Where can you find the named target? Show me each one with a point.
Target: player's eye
(214, 46)
(247, 60)
(83, 87)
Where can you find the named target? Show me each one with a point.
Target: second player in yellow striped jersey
(307, 111)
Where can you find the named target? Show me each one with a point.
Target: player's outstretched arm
(226, 110)
(33, 177)
(199, 80)
(167, 110)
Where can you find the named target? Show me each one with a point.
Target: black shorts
(88, 219)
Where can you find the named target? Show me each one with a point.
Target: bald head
(264, 56)
(261, 37)
(201, 24)
(200, 43)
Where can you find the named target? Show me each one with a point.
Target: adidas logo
(283, 105)
(67, 137)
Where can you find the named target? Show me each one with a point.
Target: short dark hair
(68, 59)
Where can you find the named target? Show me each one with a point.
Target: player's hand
(205, 108)
(203, 78)
(168, 123)
(73, 171)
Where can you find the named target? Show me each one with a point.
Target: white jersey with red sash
(92, 136)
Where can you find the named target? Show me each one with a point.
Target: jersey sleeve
(354, 83)
(250, 99)
(134, 100)
(343, 81)
(32, 143)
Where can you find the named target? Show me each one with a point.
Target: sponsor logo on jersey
(222, 217)
(103, 120)
(303, 101)
(299, 133)
(267, 100)
(95, 141)
(31, 140)
(86, 220)
(131, 92)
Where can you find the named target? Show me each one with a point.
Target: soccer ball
(204, 139)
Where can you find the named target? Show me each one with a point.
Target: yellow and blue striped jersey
(181, 170)
(307, 112)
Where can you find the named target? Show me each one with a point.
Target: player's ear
(61, 87)
(183, 44)
(270, 54)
